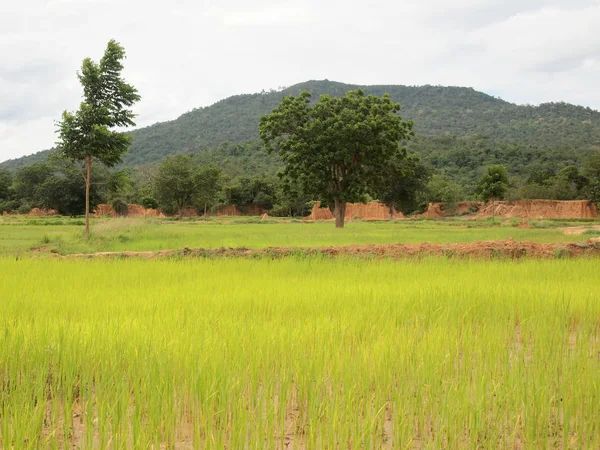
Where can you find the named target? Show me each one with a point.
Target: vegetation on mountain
(550, 151)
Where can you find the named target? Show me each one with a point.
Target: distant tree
(591, 169)
(6, 179)
(442, 189)
(290, 200)
(176, 183)
(246, 191)
(88, 134)
(28, 182)
(149, 203)
(337, 147)
(120, 207)
(493, 184)
(401, 182)
(209, 182)
(5, 183)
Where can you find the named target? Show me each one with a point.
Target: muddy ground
(508, 249)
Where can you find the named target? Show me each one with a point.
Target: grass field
(295, 353)
(19, 235)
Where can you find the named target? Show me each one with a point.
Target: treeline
(179, 182)
(205, 182)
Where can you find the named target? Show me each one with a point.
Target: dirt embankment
(437, 210)
(367, 211)
(542, 209)
(137, 211)
(508, 249)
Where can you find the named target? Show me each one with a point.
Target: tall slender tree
(92, 132)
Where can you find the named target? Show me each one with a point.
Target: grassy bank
(65, 235)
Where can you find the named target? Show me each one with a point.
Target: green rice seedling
(305, 352)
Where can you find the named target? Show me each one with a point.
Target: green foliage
(5, 184)
(175, 183)
(493, 184)
(149, 202)
(401, 182)
(337, 148)
(58, 184)
(441, 189)
(291, 201)
(88, 132)
(460, 133)
(209, 182)
(246, 191)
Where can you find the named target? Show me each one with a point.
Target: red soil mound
(232, 210)
(37, 212)
(437, 210)
(542, 209)
(371, 211)
(133, 211)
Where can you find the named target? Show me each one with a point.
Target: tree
(5, 189)
(337, 148)
(149, 203)
(176, 183)
(493, 184)
(441, 189)
(290, 199)
(209, 180)
(401, 182)
(88, 134)
(246, 191)
(120, 207)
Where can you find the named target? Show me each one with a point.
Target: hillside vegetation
(457, 112)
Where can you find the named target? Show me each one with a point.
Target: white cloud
(185, 53)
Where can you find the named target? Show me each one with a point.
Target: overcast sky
(185, 54)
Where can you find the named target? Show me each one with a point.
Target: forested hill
(435, 110)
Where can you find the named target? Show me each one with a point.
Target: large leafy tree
(91, 133)
(337, 147)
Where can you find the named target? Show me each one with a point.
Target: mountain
(439, 113)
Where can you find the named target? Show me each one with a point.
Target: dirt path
(579, 230)
(482, 250)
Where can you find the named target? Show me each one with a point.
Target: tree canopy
(337, 147)
(88, 134)
(493, 184)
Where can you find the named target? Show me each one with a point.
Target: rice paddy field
(294, 353)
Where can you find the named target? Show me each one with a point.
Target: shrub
(149, 202)
(120, 207)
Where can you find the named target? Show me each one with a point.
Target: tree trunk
(205, 206)
(88, 180)
(391, 213)
(339, 212)
(493, 210)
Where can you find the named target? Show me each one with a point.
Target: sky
(186, 54)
